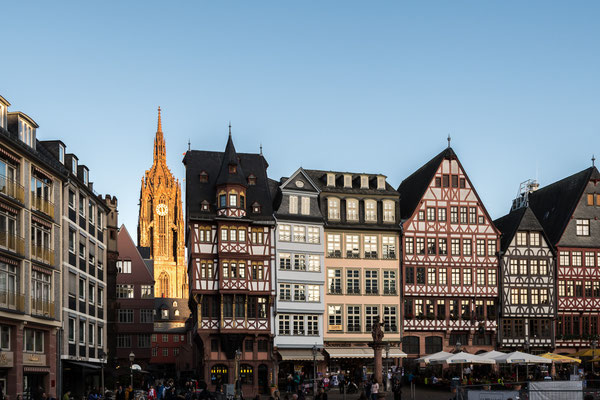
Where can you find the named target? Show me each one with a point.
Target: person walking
(374, 389)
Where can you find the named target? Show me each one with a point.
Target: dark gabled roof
(230, 158)
(413, 188)
(197, 161)
(319, 177)
(520, 219)
(554, 204)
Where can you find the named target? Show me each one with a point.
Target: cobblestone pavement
(420, 394)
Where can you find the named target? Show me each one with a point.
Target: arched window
(219, 373)
(410, 345)
(162, 288)
(433, 344)
(333, 208)
(246, 374)
(352, 210)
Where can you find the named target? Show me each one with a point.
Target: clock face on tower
(162, 209)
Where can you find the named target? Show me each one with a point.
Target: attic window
(256, 208)
(204, 205)
(252, 179)
(381, 182)
(203, 177)
(232, 168)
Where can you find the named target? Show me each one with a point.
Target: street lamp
(457, 347)
(102, 356)
(387, 366)
(238, 385)
(594, 345)
(131, 358)
(315, 350)
(526, 346)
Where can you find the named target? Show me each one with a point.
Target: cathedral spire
(159, 141)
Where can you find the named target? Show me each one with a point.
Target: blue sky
(359, 86)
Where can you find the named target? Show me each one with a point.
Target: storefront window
(246, 374)
(219, 373)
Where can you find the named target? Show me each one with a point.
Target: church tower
(160, 226)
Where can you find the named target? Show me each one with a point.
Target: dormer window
(26, 133)
(347, 181)
(2, 116)
(204, 205)
(256, 208)
(203, 177)
(252, 179)
(364, 182)
(232, 168)
(85, 176)
(381, 183)
(61, 153)
(331, 180)
(74, 165)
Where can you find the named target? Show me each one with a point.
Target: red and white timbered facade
(450, 270)
(230, 256)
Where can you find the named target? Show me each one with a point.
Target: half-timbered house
(230, 254)
(450, 270)
(569, 211)
(527, 295)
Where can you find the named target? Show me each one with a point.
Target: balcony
(12, 242)
(12, 189)
(43, 205)
(12, 301)
(42, 308)
(42, 254)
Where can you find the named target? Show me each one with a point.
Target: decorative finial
(261, 149)
(593, 160)
(229, 129)
(449, 139)
(189, 145)
(159, 121)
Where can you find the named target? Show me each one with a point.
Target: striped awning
(40, 370)
(299, 355)
(361, 352)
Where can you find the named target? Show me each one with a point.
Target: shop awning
(84, 364)
(298, 355)
(361, 352)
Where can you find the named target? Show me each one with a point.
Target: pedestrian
(374, 389)
(397, 388)
(321, 395)
(341, 381)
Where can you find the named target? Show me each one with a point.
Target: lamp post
(315, 350)
(102, 356)
(387, 367)
(526, 346)
(131, 359)
(594, 345)
(238, 385)
(457, 347)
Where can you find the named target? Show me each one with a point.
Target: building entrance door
(33, 386)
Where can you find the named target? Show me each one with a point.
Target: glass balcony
(42, 254)
(11, 241)
(41, 307)
(43, 205)
(11, 188)
(12, 300)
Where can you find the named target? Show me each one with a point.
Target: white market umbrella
(491, 354)
(518, 357)
(427, 359)
(462, 358)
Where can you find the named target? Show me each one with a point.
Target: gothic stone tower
(160, 226)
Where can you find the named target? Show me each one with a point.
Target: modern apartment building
(31, 183)
(299, 275)
(362, 234)
(83, 241)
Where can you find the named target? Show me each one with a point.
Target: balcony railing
(41, 307)
(42, 253)
(11, 188)
(43, 205)
(334, 253)
(12, 242)
(12, 300)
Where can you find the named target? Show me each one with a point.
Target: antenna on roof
(189, 145)
(229, 128)
(449, 139)
(261, 149)
(593, 161)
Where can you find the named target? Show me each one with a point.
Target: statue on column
(377, 331)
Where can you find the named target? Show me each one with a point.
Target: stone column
(377, 344)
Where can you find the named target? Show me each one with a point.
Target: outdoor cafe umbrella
(587, 353)
(518, 357)
(427, 359)
(491, 354)
(460, 359)
(560, 359)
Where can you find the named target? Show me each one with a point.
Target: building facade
(450, 267)
(161, 239)
(231, 249)
(527, 295)
(30, 258)
(83, 241)
(569, 211)
(299, 276)
(361, 243)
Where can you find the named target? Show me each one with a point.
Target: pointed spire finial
(261, 149)
(229, 129)
(189, 144)
(449, 139)
(159, 121)
(593, 160)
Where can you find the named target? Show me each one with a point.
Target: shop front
(297, 366)
(357, 363)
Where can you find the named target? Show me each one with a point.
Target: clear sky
(370, 86)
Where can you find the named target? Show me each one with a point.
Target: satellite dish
(136, 367)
